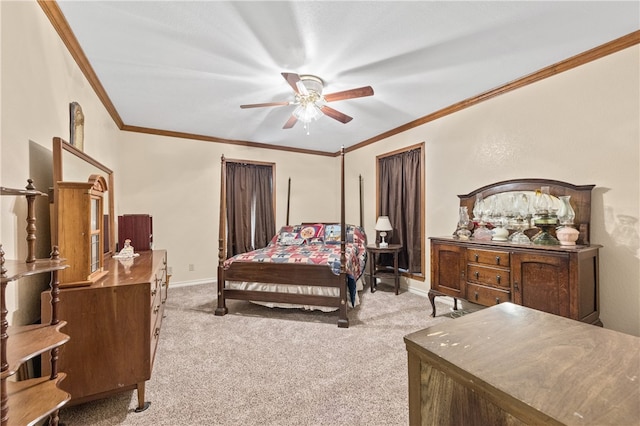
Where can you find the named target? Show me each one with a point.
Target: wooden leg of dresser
(142, 404)
(432, 299)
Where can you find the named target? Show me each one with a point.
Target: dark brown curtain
(265, 222)
(249, 195)
(399, 180)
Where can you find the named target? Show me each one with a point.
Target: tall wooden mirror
(72, 165)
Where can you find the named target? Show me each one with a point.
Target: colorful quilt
(311, 250)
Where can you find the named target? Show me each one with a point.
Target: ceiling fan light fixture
(310, 103)
(312, 83)
(307, 112)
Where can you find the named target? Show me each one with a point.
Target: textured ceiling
(187, 66)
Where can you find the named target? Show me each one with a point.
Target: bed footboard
(288, 274)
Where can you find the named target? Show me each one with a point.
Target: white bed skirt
(296, 289)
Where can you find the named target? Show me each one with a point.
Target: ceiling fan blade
(349, 94)
(291, 122)
(292, 79)
(336, 115)
(267, 104)
(302, 88)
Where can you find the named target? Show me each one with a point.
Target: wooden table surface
(538, 363)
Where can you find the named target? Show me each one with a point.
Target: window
(250, 205)
(400, 181)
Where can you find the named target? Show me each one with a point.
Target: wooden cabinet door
(448, 269)
(541, 281)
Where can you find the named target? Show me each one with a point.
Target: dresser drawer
(488, 276)
(488, 257)
(157, 312)
(487, 296)
(158, 284)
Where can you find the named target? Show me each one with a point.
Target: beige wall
(39, 79)
(178, 182)
(581, 126)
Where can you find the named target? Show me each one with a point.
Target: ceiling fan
(310, 102)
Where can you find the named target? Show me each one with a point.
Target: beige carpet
(262, 366)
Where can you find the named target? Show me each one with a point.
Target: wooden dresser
(555, 279)
(511, 365)
(114, 325)
(558, 279)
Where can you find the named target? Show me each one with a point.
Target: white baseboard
(192, 282)
(423, 293)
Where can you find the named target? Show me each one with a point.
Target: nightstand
(374, 272)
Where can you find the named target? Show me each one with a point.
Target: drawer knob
(498, 277)
(153, 292)
(156, 309)
(476, 294)
(515, 286)
(476, 255)
(477, 274)
(497, 260)
(157, 332)
(497, 300)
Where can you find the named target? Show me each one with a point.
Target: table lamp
(383, 225)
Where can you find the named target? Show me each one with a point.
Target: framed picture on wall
(76, 126)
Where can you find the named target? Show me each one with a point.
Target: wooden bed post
(222, 229)
(285, 274)
(360, 184)
(343, 320)
(288, 200)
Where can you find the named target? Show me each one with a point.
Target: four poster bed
(311, 265)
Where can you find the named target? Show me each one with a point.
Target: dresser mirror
(72, 165)
(516, 198)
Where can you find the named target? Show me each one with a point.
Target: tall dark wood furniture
(114, 326)
(32, 400)
(522, 366)
(138, 228)
(561, 280)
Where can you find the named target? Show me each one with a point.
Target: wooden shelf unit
(32, 400)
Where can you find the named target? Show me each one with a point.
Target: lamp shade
(383, 224)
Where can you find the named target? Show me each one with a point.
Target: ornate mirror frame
(59, 148)
(580, 198)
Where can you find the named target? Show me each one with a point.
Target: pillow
(290, 239)
(332, 234)
(288, 235)
(312, 232)
(354, 234)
